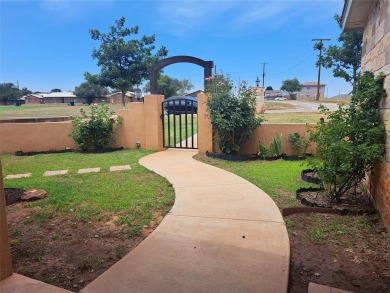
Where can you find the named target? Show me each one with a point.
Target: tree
(9, 91)
(345, 59)
(55, 90)
(169, 86)
(291, 86)
(90, 91)
(123, 63)
(269, 88)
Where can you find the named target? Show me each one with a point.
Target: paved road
(302, 106)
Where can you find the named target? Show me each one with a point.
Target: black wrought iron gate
(180, 122)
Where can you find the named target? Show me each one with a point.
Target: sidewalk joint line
(218, 218)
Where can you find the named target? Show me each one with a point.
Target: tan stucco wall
(141, 123)
(5, 250)
(265, 134)
(376, 58)
(28, 137)
(205, 130)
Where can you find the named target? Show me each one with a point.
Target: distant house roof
(59, 95)
(312, 83)
(130, 94)
(194, 93)
(39, 96)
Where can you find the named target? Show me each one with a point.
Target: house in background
(373, 18)
(33, 99)
(50, 98)
(309, 90)
(116, 98)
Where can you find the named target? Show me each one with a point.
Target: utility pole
(263, 71)
(319, 47)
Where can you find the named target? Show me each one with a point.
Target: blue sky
(45, 44)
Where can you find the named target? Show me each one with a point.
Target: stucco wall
(141, 123)
(376, 58)
(265, 134)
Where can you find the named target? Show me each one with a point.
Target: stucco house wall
(373, 18)
(309, 90)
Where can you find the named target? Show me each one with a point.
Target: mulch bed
(357, 204)
(233, 158)
(12, 195)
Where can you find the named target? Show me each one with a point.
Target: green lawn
(44, 111)
(178, 128)
(292, 117)
(279, 179)
(133, 195)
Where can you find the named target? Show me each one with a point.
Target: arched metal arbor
(207, 65)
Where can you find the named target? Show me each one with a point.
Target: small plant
(233, 115)
(273, 150)
(97, 131)
(263, 151)
(275, 147)
(300, 143)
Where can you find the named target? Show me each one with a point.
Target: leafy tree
(353, 139)
(55, 90)
(123, 63)
(269, 88)
(9, 91)
(291, 86)
(345, 59)
(90, 91)
(169, 86)
(232, 116)
(97, 131)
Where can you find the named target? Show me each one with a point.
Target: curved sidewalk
(223, 234)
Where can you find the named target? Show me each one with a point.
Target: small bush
(353, 139)
(97, 131)
(233, 116)
(300, 143)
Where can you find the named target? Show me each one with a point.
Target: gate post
(205, 129)
(153, 123)
(5, 250)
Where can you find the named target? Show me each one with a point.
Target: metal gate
(180, 122)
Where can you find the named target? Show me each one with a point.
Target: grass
(280, 180)
(292, 117)
(179, 126)
(133, 195)
(44, 111)
(271, 105)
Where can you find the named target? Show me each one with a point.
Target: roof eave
(355, 14)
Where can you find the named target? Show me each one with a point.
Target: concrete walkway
(223, 234)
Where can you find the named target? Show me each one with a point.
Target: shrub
(353, 141)
(97, 131)
(233, 116)
(300, 143)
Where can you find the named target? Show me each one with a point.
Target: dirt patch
(356, 262)
(12, 195)
(65, 252)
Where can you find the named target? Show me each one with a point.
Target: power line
(289, 68)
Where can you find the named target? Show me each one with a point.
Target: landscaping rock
(34, 195)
